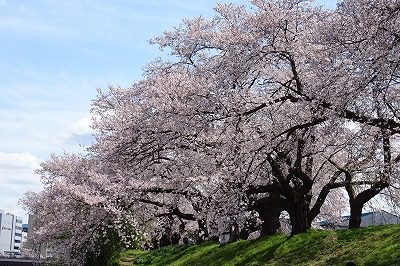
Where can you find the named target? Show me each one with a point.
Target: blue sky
(54, 54)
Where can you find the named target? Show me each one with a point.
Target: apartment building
(10, 232)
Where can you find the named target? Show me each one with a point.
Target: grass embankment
(379, 245)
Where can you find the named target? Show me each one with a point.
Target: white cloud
(82, 126)
(24, 160)
(16, 178)
(78, 135)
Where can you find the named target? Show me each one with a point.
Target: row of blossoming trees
(275, 106)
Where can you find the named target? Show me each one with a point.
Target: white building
(10, 232)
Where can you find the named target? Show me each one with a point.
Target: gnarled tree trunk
(299, 213)
(269, 211)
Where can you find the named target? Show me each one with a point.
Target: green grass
(379, 245)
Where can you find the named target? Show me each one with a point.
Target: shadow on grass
(168, 255)
(262, 256)
(255, 252)
(192, 255)
(367, 246)
(303, 248)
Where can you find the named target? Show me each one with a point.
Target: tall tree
(283, 106)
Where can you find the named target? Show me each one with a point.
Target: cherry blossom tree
(71, 214)
(283, 106)
(257, 65)
(365, 84)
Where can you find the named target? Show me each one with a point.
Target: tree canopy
(280, 106)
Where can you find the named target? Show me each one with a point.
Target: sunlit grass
(379, 245)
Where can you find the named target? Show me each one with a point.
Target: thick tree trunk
(355, 215)
(299, 217)
(269, 211)
(270, 218)
(270, 225)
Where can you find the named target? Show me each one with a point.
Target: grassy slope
(379, 245)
